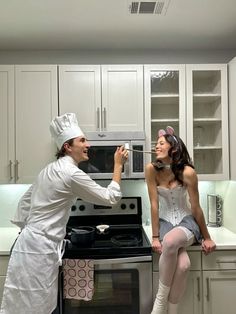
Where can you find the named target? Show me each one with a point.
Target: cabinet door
(164, 100)
(219, 291)
(35, 106)
(80, 92)
(207, 112)
(122, 98)
(232, 115)
(192, 299)
(3, 270)
(6, 123)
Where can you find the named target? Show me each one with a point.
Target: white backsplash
(10, 195)
(227, 190)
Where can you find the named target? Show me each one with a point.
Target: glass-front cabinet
(164, 101)
(193, 100)
(207, 120)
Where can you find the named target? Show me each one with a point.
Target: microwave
(101, 154)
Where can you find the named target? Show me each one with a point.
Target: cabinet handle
(16, 170)
(104, 119)
(208, 289)
(10, 169)
(98, 118)
(198, 289)
(218, 261)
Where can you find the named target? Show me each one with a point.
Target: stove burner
(123, 240)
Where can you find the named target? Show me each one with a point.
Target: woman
(177, 218)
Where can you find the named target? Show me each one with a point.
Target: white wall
(10, 195)
(228, 191)
(115, 56)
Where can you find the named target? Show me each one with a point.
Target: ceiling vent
(148, 7)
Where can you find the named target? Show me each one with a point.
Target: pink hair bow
(169, 130)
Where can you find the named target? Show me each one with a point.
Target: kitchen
(197, 46)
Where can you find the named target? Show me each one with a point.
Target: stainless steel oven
(121, 286)
(122, 269)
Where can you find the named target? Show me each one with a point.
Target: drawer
(2, 281)
(219, 260)
(3, 265)
(195, 258)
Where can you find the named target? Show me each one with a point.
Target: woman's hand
(156, 245)
(208, 246)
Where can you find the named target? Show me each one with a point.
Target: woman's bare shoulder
(189, 174)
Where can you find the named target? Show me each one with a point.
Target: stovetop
(125, 236)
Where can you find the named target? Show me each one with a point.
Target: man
(42, 214)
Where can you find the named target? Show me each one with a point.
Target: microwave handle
(127, 164)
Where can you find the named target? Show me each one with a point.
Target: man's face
(79, 149)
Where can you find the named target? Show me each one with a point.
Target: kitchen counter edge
(223, 237)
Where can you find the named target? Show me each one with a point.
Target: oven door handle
(134, 259)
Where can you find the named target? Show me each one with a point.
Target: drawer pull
(10, 167)
(208, 289)
(198, 289)
(98, 119)
(16, 170)
(218, 261)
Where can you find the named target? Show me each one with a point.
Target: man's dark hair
(62, 152)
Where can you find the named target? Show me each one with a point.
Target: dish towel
(78, 277)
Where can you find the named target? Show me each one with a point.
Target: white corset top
(174, 204)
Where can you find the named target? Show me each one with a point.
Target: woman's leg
(173, 241)
(179, 281)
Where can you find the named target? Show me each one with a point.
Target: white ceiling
(107, 24)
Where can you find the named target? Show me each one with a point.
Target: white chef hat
(64, 128)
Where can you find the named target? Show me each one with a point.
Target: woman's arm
(191, 181)
(150, 176)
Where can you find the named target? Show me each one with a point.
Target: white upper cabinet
(192, 99)
(31, 106)
(164, 100)
(207, 120)
(232, 117)
(104, 98)
(7, 156)
(80, 92)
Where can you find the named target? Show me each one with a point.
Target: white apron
(43, 211)
(32, 276)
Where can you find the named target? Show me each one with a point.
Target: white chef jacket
(42, 214)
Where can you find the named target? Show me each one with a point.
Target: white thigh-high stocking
(160, 304)
(173, 241)
(180, 277)
(172, 308)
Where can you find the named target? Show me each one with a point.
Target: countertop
(7, 238)
(224, 238)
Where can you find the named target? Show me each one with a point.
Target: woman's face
(162, 149)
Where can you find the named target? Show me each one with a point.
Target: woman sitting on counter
(177, 218)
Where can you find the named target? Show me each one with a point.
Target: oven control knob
(132, 206)
(82, 207)
(123, 206)
(73, 208)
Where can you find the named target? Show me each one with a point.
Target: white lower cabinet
(219, 282)
(192, 299)
(3, 270)
(211, 283)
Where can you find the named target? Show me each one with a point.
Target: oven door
(120, 286)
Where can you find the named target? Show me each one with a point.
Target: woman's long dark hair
(179, 154)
